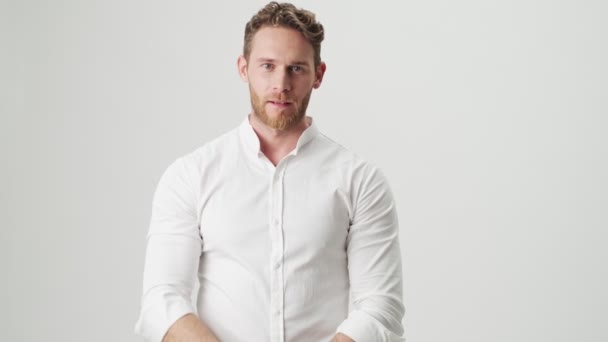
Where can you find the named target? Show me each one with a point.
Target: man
(278, 222)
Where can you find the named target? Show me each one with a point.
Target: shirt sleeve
(374, 263)
(172, 255)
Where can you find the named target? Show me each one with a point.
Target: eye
(266, 66)
(296, 68)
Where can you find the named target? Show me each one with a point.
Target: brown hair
(286, 15)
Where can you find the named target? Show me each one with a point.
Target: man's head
(281, 61)
(288, 16)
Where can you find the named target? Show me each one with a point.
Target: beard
(286, 118)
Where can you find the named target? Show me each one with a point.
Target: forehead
(281, 43)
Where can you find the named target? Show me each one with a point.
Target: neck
(274, 143)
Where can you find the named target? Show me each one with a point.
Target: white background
(489, 119)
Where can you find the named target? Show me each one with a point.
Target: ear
(319, 72)
(241, 64)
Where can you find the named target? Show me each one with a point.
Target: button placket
(276, 256)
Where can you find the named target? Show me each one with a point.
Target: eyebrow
(270, 60)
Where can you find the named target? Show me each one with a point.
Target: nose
(281, 81)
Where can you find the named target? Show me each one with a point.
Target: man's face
(281, 75)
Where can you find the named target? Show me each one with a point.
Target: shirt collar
(252, 142)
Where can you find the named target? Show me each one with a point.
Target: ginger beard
(287, 118)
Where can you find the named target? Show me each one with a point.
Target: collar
(252, 142)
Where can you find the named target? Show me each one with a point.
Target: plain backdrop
(489, 119)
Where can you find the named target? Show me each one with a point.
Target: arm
(173, 251)
(189, 328)
(341, 338)
(374, 262)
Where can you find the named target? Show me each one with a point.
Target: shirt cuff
(362, 327)
(157, 318)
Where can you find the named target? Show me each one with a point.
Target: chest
(246, 212)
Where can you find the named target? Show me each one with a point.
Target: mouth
(280, 103)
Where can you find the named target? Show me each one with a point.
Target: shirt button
(277, 265)
(276, 222)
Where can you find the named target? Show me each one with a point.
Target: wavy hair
(286, 15)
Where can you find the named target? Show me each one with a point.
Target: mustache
(281, 98)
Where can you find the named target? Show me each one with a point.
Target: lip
(281, 104)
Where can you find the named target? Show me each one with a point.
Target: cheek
(305, 86)
(259, 84)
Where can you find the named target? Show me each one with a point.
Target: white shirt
(276, 249)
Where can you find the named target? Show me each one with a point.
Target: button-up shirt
(272, 253)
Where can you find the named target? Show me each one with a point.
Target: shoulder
(197, 162)
(365, 185)
(347, 160)
(213, 149)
